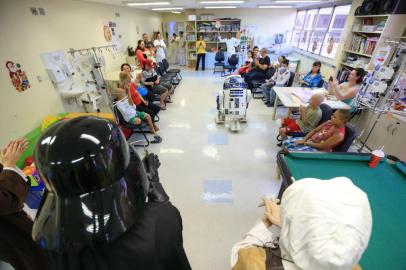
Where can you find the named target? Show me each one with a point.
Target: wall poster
(18, 77)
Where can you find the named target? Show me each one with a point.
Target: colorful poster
(17, 76)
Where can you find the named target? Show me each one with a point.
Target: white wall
(67, 24)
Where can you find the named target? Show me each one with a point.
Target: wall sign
(17, 76)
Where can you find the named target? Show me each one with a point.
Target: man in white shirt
(231, 43)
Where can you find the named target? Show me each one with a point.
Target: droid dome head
(234, 82)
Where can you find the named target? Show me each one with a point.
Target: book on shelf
(362, 44)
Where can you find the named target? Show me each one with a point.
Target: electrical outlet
(41, 11)
(34, 11)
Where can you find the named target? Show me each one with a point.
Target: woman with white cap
(320, 225)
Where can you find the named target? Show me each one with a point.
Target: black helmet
(96, 184)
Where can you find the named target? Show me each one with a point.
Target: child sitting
(325, 137)
(309, 118)
(128, 110)
(139, 101)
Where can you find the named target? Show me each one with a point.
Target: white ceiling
(195, 4)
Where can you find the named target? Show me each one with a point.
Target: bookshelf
(210, 31)
(368, 33)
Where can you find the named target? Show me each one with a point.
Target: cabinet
(390, 131)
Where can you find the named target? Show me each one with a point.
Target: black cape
(154, 243)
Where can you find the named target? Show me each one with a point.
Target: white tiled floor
(247, 160)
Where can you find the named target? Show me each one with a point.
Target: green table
(386, 189)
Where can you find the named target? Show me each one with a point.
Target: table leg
(275, 107)
(278, 172)
(289, 112)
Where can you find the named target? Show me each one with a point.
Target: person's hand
(300, 142)
(11, 153)
(272, 211)
(256, 62)
(146, 103)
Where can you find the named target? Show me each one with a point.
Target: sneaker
(157, 139)
(269, 104)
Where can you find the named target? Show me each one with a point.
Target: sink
(72, 93)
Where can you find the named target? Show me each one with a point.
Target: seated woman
(313, 78)
(319, 225)
(129, 111)
(280, 78)
(141, 104)
(142, 90)
(323, 138)
(141, 55)
(150, 52)
(246, 67)
(280, 59)
(152, 80)
(347, 91)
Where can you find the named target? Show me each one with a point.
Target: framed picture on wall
(296, 37)
(304, 39)
(316, 42)
(330, 44)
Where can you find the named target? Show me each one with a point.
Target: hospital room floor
(214, 177)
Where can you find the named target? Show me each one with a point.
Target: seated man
(259, 68)
(323, 138)
(309, 118)
(128, 110)
(280, 78)
(320, 225)
(152, 80)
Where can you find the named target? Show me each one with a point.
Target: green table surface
(386, 189)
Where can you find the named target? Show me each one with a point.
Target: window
(319, 30)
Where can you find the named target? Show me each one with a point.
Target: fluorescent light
(298, 1)
(221, 2)
(275, 6)
(174, 8)
(220, 7)
(176, 12)
(149, 4)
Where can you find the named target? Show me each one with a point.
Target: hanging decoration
(18, 77)
(107, 33)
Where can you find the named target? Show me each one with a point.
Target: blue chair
(350, 135)
(219, 65)
(232, 65)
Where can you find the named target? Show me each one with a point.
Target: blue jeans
(268, 92)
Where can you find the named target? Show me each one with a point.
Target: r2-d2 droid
(232, 102)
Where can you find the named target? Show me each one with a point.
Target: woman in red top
(141, 104)
(141, 55)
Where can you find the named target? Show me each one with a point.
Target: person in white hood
(320, 225)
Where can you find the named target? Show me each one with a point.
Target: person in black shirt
(260, 67)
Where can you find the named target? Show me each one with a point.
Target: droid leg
(235, 125)
(220, 118)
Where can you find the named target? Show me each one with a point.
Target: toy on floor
(232, 102)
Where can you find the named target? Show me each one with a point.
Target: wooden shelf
(348, 65)
(217, 31)
(358, 53)
(368, 16)
(364, 32)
